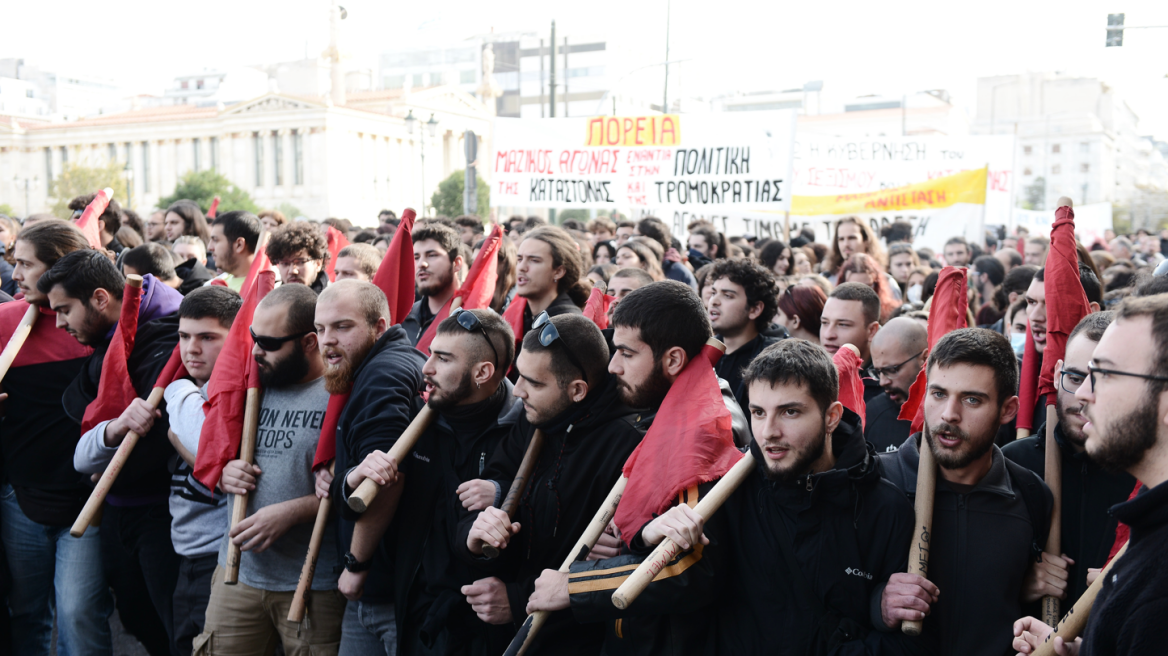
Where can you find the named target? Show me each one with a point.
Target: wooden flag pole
(1075, 621)
(604, 514)
(1054, 480)
(299, 605)
(918, 555)
(247, 445)
(12, 348)
(511, 501)
(367, 491)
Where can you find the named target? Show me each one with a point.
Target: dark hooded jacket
(882, 428)
(193, 275)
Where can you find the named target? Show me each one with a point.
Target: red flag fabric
(395, 276)
(326, 446)
(851, 387)
(1123, 531)
(235, 372)
(336, 241)
(92, 214)
(115, 390)
(476, 291)
(597, 306)
(690, 442)
(1066, 302)
(513, 315)
(214, 208)
(1028, 383)
(950, 305)
(174, 369)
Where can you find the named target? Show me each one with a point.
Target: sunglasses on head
(548, 334)
(470, 321)
(273, 344)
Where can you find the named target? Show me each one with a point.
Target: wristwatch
(355, 566)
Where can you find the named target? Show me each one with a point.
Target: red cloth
(235, 372)
(115, 390)
(513, 315)
(326, 446)
(1066, 302)
(476, 292)
(851, 387)
(690, 442)
(597, 306)
(89, 218)
(1123, 531)
(214, 208)
(174, 369)
(336, 241)
(947, 313)
(395, 276)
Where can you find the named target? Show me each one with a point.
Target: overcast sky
(855, 47)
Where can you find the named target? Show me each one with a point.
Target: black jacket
(428, 578)
(881, 427)
(575, 472)
(982, 545)
(732, 365)
(1088, 530)
(1128, 615)
(383, 402)
(418, 320)
(193, 275)
(320, 283)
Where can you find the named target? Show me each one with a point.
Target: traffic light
(1114, 30)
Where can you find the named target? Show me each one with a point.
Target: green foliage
(6, 209)
(203, 186)
(573, 215)
(1035, 195)
(447, 201)
(289, 211)
(77, 180)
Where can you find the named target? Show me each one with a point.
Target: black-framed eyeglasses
(548, 334)
(1092, 371)
(470, 321)
(891, 370)
(273, 344)
(1071, 381)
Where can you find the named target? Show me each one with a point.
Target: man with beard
(990, 515)
(250, 617)
(899, 351)
(741, 307)
(1125, 402)
(588, 435)
(85, 290)
(379, 368)
(234, 236)
(1087, 489)
(300, 254)
(436, 265)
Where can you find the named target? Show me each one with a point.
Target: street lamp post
(432, 128)
(28, 184)
(129, 171)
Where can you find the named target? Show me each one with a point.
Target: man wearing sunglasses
(1088, 490)
(588, 435)
(436, 266)
(899, 350)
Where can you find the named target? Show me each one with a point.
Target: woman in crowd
(776, 256)
(272, 219)
(803, 259)
(902, 259)
(604, 252)
(639, 255)
(799, 310)
(863, 269)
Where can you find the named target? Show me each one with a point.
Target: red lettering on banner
(640, 128)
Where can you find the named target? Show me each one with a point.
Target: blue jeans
(368, 629)
(46, 559)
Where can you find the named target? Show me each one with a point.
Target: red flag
(1066, 302)
(513, 315)
(89, 218)
(336, 242)
(597, 306)
(115, 390)
(174, 369)
(1123, 531)
(690, 442)
(214, 208)
(326, 446)
(395, 276)
(851, 387)
(1028, 384)
(235, 372)
(476, 291)
(950, 305)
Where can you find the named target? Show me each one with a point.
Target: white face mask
(914, 293)
(1018, 341)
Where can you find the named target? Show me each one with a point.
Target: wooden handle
(299, 605)
(1054, 480)
(604, 514)
(89, 514)
(12, 348)
(648, 570)
(918, 554)
(1073, 623)
(1022, 433)
(366, 492)
(247, 443)
(511, 501)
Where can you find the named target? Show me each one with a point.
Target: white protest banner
(704, 162)
(1090, 221)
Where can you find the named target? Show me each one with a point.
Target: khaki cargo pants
(246, 621)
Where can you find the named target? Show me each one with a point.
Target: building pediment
(448, 100)
(272, 102)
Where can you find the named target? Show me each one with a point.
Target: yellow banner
(658, 130)
(939, 193)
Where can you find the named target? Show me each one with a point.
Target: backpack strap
(1037, 506)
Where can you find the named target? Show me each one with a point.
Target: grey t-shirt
(290, 422)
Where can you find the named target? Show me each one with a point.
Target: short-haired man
(234, 236)
(153, 259)
(625, 230)
(655, 229)
(108, 222)
(988, 275)
(437, 263)
(42, 493)
(470, 229)
(1009, 257)
(601, 229)
(357, 262)
(300, 253)
(156, 226)
(198, 515)
(704, 246)
(956, 252)
(588, 435)
(189, 247)
(190, 255)
(250, 617)
(851, 315)
(990, 516)
(1088, 490)
(85, 290)
(744, 300)
(1035, 250)
(1125, 402)
(899, 350)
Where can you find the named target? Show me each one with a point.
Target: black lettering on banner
(776, 186)
(737, 195)
(746, 160)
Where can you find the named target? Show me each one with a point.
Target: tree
(77, 180)
(6, 209)
(289, 211)
(203, 186)
(447, 201)
(1035, 195)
